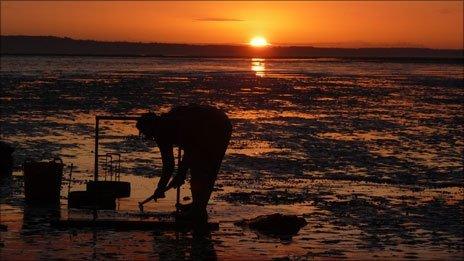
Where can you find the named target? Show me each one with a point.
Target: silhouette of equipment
(101, 194)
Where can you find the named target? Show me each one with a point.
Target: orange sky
(341, 24)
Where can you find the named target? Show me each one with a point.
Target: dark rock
(275, 224)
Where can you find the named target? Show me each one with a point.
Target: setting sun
(259, 42)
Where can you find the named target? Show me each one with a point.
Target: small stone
(275, 224)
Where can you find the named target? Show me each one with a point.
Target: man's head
(146, 124)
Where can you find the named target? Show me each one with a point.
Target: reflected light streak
(258, 66)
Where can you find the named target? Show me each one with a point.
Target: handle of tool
(153, 197)
(179, 158)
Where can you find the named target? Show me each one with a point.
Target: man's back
(200, 130)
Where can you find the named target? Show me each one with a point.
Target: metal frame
(99, 118)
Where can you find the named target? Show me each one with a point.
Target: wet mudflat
(369, 153)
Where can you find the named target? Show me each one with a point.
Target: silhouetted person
(203, 133)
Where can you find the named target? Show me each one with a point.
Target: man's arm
(167, 157)
(184, 165)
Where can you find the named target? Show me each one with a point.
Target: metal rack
(99, 118)
(115, 169)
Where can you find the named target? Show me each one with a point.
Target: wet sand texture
(369, 153)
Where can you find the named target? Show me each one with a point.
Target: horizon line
(313, 45)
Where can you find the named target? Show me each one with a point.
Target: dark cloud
(218, 19)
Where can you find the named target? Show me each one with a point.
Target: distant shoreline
(56, 46)
(450, 60)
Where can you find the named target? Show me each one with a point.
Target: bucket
(42, 182)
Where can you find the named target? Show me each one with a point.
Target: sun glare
(259, 41)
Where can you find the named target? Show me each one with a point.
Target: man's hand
(177, 181)
(179, 178)
(159, 193)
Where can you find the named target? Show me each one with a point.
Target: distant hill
(49, 45)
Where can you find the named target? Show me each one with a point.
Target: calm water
(370, 153)
(72, 66)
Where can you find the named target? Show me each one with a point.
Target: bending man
(203, 133)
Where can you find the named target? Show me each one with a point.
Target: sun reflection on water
(258, 66)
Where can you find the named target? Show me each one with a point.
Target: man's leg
(202, 184)
(203, 176)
